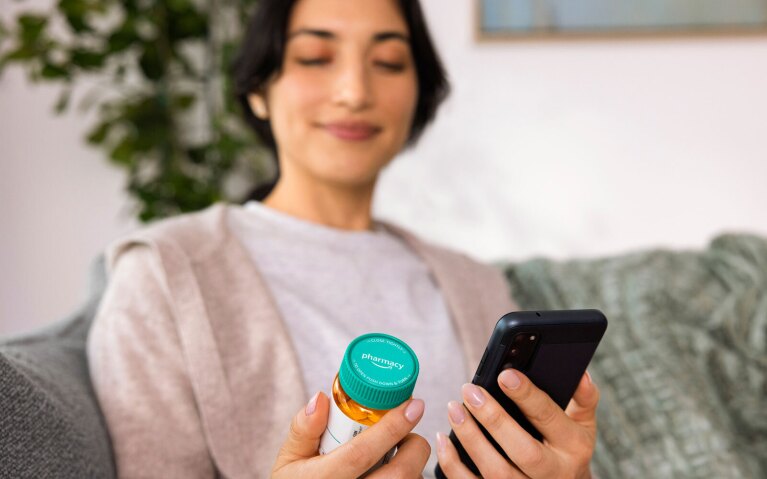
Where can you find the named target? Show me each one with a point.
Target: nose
(352, 89)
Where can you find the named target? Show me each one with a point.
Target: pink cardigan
(192, 364)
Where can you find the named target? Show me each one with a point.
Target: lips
(354, 131)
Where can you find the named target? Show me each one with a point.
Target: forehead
(348, 18)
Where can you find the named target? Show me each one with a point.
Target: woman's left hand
(569, 436)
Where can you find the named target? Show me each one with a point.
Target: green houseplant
(156, 71)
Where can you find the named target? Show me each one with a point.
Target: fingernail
(473, 395)
(441, 443)
(455, 411)
(414, 410)
(510, 379)
(311, 406)
(588, 377)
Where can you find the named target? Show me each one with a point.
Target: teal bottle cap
(378, 371)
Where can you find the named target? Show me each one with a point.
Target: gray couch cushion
(50, 421)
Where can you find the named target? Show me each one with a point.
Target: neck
(342, 207)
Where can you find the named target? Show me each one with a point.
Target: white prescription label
(341, 428)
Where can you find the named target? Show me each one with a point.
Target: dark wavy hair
(262, 52)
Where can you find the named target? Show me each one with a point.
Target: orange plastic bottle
(378, 373)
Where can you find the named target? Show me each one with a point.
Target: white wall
(577, 148)
(60, 204)
(564, 149)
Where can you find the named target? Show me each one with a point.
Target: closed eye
(312, 61)
(394, 67)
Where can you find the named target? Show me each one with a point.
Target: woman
(216, 325)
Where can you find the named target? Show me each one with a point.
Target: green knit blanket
(682, 369)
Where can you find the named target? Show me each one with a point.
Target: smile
(352, 132)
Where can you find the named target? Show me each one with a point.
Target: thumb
(583, 406)
(306, 429)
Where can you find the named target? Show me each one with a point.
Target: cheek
(294, 102)
(401, 106)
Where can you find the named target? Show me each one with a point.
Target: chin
(352, 171)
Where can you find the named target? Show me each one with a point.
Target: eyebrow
(328, 35)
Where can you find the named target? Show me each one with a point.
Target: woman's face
(344, 101)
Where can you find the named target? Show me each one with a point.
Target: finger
(583, 406)
(409, 461)
(487, 459)
(530, 455)
(306, 429)
(449, 461)
(355, 457)
(547, 417)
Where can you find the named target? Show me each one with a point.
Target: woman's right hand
(299, 456)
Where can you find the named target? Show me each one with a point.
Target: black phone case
(567, 340)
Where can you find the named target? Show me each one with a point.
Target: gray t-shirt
(332, 285)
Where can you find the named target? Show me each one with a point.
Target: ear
(258, 105)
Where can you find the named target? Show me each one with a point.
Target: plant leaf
(32, 27)
(98, 134)
(87, 59)
(151, 63)
(63, 101)
(76, 11)
(184, 101)
(122, 154)
(122, 38)
(52, 71)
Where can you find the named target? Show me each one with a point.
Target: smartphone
(552, 348)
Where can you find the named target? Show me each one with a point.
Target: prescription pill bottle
(377, 373)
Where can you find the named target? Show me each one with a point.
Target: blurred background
(557, 147)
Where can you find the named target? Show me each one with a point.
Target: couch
(682, 368)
